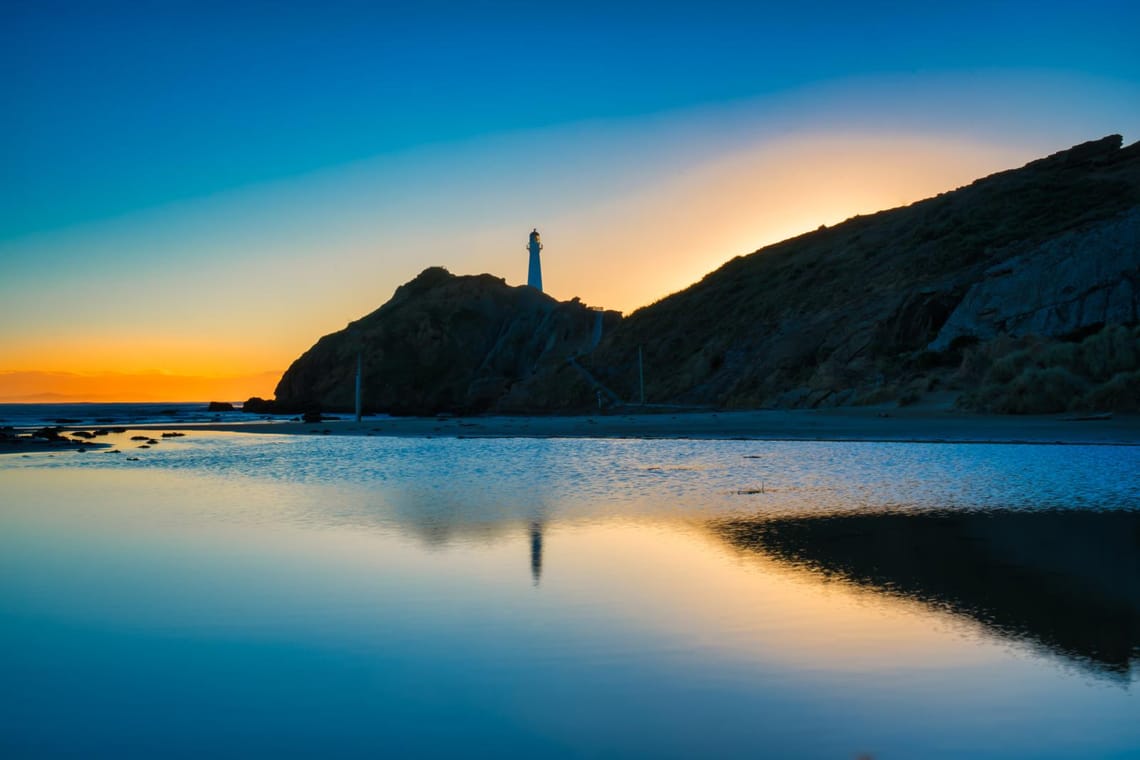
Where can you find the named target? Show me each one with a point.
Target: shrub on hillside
(978, 358)
(1109, 352)
(1032, 375)
(1066, 355)
(1008, 367)
(1034, 391)
(1120, 394)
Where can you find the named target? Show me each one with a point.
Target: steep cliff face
(444, 343)
(1071, 283)
(844, 314)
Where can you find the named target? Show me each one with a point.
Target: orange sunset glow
(544, 380)
(163, 261)
(228, 328)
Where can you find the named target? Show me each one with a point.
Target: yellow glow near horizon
(140, 353)
(191, 327)
(670, 236)
(40, 387)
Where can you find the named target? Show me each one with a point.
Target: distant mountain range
(1017, 293)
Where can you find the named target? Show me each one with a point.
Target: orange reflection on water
(247, 552)
(680, 580)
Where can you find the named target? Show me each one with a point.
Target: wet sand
(847, 424)
(863, 424)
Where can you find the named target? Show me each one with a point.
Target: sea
(37, 415)
(237, 595)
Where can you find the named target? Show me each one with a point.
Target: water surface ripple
(231, 594)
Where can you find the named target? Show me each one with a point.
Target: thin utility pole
(359, 375)
(641, 375)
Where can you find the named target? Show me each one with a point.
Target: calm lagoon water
(230, 595)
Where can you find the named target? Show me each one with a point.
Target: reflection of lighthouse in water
(536, 551)
(534, 274)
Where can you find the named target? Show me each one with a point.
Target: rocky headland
(447, 343)
(1017, 293)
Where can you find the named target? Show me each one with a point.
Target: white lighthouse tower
(534, 275)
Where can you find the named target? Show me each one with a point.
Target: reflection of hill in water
(1067, 580)
(439, 518)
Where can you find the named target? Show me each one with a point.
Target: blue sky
(283, 167)
(114, 106)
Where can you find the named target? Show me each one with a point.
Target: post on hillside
(359, 376)
(641, 375)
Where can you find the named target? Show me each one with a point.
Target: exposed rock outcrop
(844, 314)
(258, 405)
(445, 343)
(1063, 286)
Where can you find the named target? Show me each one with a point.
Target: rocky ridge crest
(1019, 292)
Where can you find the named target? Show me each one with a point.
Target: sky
(192, 193)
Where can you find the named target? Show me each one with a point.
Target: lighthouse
(534, 275)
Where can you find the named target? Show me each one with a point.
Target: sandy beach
(845, 424)
(795, 425)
